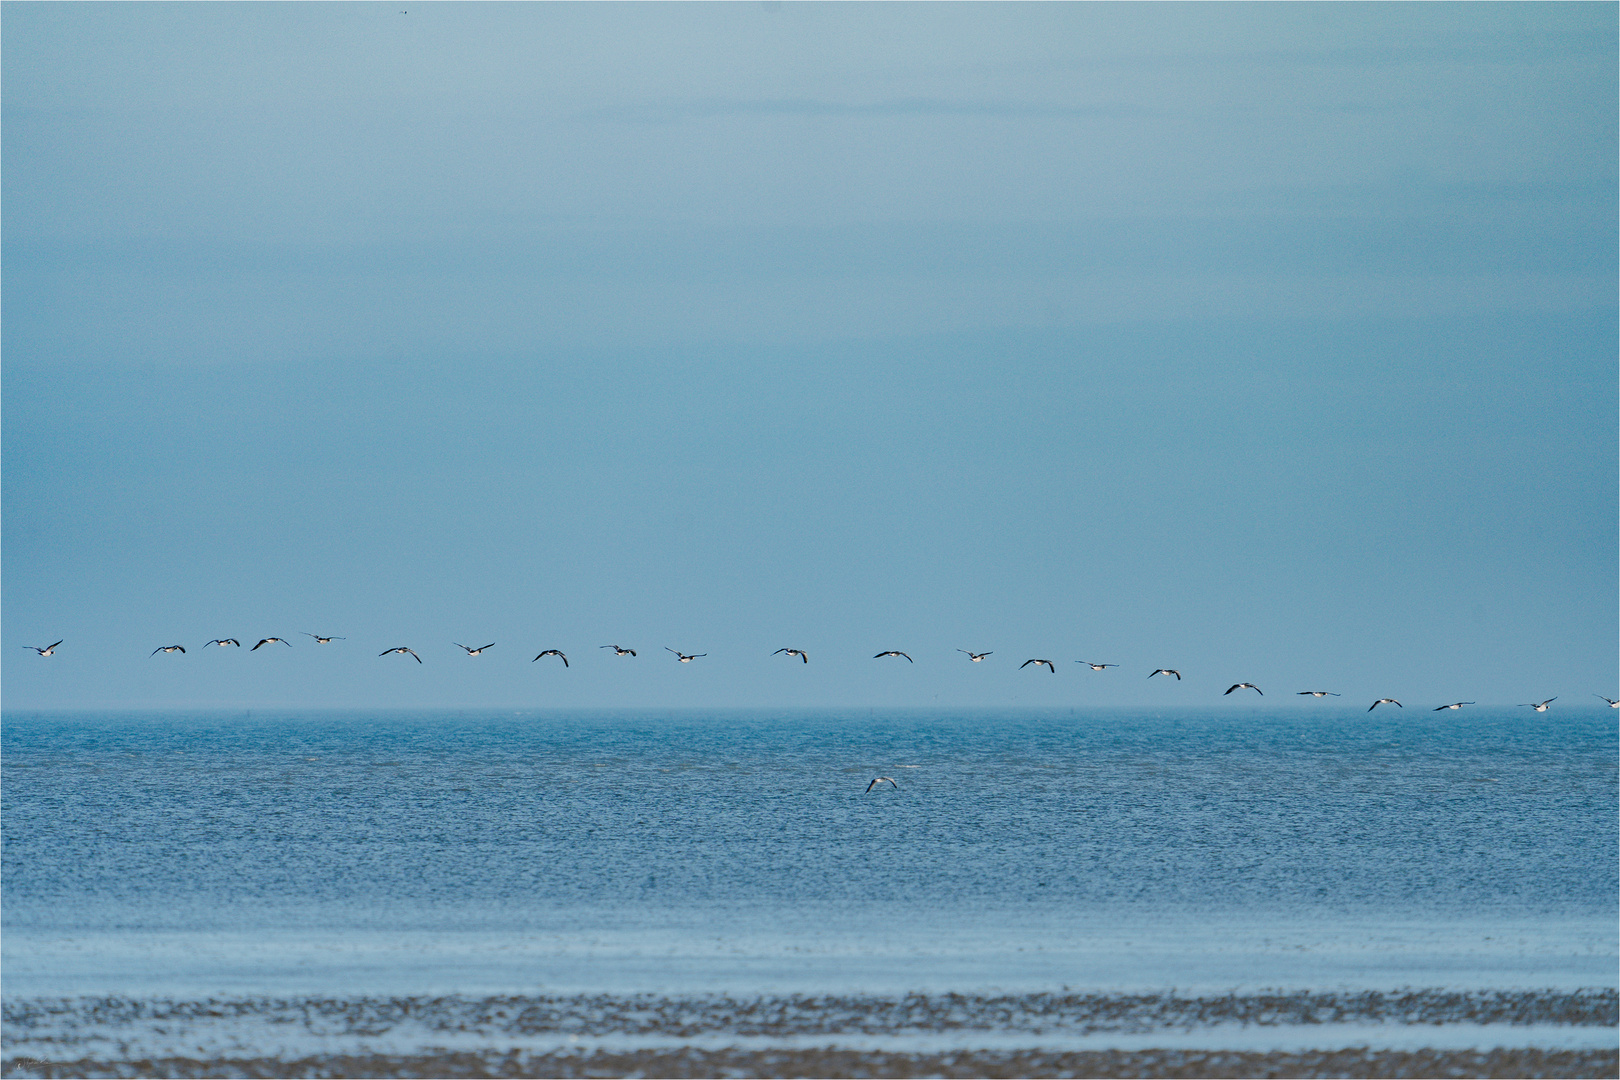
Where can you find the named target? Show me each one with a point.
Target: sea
(1085, 892)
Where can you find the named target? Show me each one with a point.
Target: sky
(1271, 343)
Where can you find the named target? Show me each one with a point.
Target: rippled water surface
(119, 828)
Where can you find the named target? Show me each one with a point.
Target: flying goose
(894, 652)
(270, 641)
(1613, 704)
(685, 658)
(1167, 671)
(402, 649)
(475, 652)
(882, 779)
(323, 640)
(1539, 708)
(616, 651)
(973, 656)
(168, 648)
(1048, 663)
(224, 641)
(1385, 701)
(1453, 705)
(46, 651)
(1244, 686)
(792, 652)
(1099, 667)
(1318, 693)
(553, 652)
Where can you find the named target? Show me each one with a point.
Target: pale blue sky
(1273, 343)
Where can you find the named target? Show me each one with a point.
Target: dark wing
(803, 658)
(491, 645)
(413, 653)
(54, 646)
(385, 652)
(256, 647)
(632, 652)
(909, 660)
(1231, 688)
(779, 652)
(564, 658)
(873, 784)
(154, 652)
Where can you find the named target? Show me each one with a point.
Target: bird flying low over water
(224, 641)
(1245, 686)
(1048, 663)
(270, 641)
(1613, 704)
(1099, 667)
(168, 648)
(46, 651)
(402, 649)
(1539, 708)
(1318, 693)
(1385, 701)
(1453, 705)
(553, 652)
(894, 652)
(882, 779)
(617, 651)
(792, 652)
(973, 656)
(475, 652)
(685, 658)
(1169, 671)
(323, 640)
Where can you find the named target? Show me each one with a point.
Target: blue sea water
(446, 852)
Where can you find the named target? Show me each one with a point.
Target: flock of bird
(803, 657)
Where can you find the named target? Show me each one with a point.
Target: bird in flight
(270, 641)
(1318, 693)
(792, 652)
(895, 652)
(1613, 704)
(1048, 663)
(1243, 686)
(323, 640)
(1385, 701)
(1539, 708)
(402, 649)
(553, 652)
(882, 779)
(1169, 671)
(475, 652)
(1453, 705)
(224, 641)
(46, 651)
(168, 648)
(973, 656)
(1099, 667)
(685, 658)
(616, 651)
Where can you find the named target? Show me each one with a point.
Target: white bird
(1539, 708)
(882, 779)
(168, 648)
(1098, 667)
(1613, 704)
(553, 652)
(46, 651)
(617, 651)
(323, 640)
(270, 641)
(894, 652)
(973, 656)
(1167, 671)
(1245, 686)
(1453, 705)
(475, 652)
(1318, 693)
(685, 658)
(1048, 663)
(1385, 701)
(401, 649)
(792, 652)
